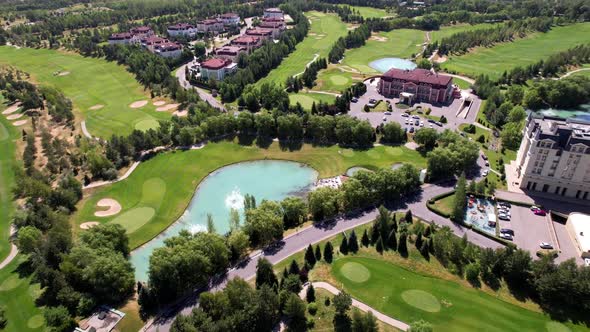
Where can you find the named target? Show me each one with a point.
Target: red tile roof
(181, 26)
(418, 76)
(231, 50)
(215, 63)
(154, 40)
(246, 40)
(121, 35)
(209, 21)
(230, 15)
(271, 25)
(141, 30)
(258, 32)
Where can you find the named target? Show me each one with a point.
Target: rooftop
(246, 40)
(269, 24)
(168, 46)
(209, 21)
(273, 10)
(230, 15)
(215, 63)
(230, 49)
(181, 26)
(154, 40)
(259, 32)
(563, 131)
(140, 29)
(581, 227)
(418, 76)
(121, 35)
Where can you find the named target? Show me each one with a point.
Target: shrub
(312, 308)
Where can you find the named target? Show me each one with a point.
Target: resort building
(229, 19)
(554, 157)
(151, 42)
(263, 34)
(250, 43)
(142, 32)
(168, 50)
(274, 12)
(277, 28)
(125, 38)
(417, 85)
(182, 29)
(217, 69)
(210, 25)
(230, 52)
(578, 227)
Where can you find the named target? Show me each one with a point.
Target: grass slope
(410, 296)
(325, 30)
(370, 12)
(183, 171)
(307, 99)
(90, 82)
(8, 134)
(495, 60)
(449, 30)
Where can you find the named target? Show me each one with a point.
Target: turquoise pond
(582, 112)
(223, 190)
(386, 64)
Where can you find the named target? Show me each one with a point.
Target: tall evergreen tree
(365, 239)
(318, 253)
(294, 268)
(379, 245)
(418, 240)
(309, 256)
(265, 274)
(402, 246)
(344, 245)
(408, 218)
(353, 244)
(310, 294)
(328, 252)
(392, 240)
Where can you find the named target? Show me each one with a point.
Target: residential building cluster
(554, 157)
(146, 37)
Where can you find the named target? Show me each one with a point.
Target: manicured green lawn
(399, 43)
(448, 30)
(325, 30)
(8, 135)
(17, 296)
(461, 83)
(448, 306)
(90, 82)
(179, 173)
(333, 79)
(307, 99)
(445, 204)
(493, 61)
(370, 12)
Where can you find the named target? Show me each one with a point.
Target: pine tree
(402, 246)
(353, 244)
(328, 252)
(394, 222)
(427, 231)
(408, 218)
(392, 240)
(344, 245)
(309, 256)
(265, 274)
(310, 294)
(318, 253)
(375, 232)
(379, 245)
(365, 239)
(419, 241)
(294, 267)
(424, 249)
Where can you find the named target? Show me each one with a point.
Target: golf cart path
(362, 306)
(10, 257)
(464, 78)
(85, 130)
(315, 57)
(569, 73)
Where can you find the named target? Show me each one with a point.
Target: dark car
(507, 231)
(411, 129)
(354, 100)
(438, 123)
(505, 204)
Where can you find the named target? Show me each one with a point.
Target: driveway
(203, 94)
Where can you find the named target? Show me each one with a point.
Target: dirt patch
(167, 107)
(14, 116)
(180, 114)
(138, 104)
(89, 224)
(113, 207)
(11, 109)
(19, 123)
(379, 38)
(63, 73)
(96, 107)
(159, 103)
(439, 59)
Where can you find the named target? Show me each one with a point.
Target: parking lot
(529, 229)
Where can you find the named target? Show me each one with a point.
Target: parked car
(545, 245)
(415, 117)
(387, 113)
(485, 173)
(405, 115)
(505, 204)
(354, 99)
(533, 208)
(411, 129)
(372, 101)
(484, 157)
(431, 121)
(506, 236)
(540, 212)
(438, 123)
(416, 123)
(503, 216)
(507, 231)
(384, 119)
(487, 164)
(421, 123)
(462, 134)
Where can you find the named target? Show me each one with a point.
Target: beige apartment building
(554, 157)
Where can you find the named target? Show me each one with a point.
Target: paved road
(313, 234)
(362, 306)
(573, 72)
(203, 94)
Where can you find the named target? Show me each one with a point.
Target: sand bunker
(89, 224)
(180, 113)
(63, 73)
(96, 107)
(14, 116)
(113, 207)
(12, 109)
(19, 123)
(167, 107)
(159, 103)
(138, 104)
(379, 38)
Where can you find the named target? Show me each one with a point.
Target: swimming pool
(385, 64)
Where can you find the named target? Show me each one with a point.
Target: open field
(17, 296)
(181, 172)
(410, 296)
(8, 134)
(371, 12)
(325, 30)
(495, 60)
(307, 99)
(449, 30)
(90, 82)
(399, 43)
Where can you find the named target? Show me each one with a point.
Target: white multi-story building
(182, 29)
(168, 50)
(217, 69)
(554, 157)
(274, 13)
(210, 25)
(230, 19)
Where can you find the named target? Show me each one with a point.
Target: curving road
(203, 94)
(358, 304)
(314, 234)
(569, 73)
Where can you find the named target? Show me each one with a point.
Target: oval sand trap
(19, 123)
(421, 300)
(167, 107)
(180, 114)
(89, 224)
(36, 321)
(63, 73)
(355, 272)
(133, 219)
(96, 107)
(11, 109)
(113, 207)
(159, 103)
(14, 116)
(138, 104)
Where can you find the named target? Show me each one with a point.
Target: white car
(384, 119)
(421, 123)
(545, 245)
(485, 173)
(587, 261)
(506, 236)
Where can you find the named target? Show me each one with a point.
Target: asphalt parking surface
(529, 229)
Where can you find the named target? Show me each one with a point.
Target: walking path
(569, 73)
(315, 57)
(85, 130)
(355, 303)
(203, 94)
(464, 78)
(123, 177)
(13, 250)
